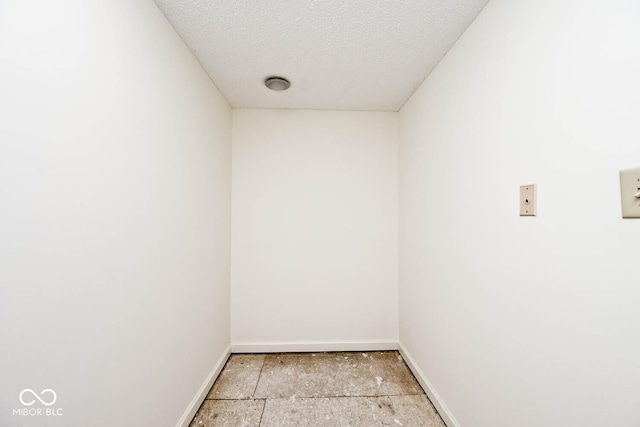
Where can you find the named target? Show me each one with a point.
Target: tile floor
(317, 390)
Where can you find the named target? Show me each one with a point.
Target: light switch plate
(528, 202)
(629, 189)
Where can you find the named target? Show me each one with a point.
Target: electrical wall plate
(528, 202)
(630, 192)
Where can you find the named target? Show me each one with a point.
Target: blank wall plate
(630, 192)
(528, 202)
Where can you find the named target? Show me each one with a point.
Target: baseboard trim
(433, 395)
(312, 346)
(204, 389)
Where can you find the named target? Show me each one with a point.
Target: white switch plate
(528, 202)
(629, 188)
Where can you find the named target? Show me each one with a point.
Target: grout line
(259, 376)
(345, 397)
(244, 399)
(323, 397)
(264, 406)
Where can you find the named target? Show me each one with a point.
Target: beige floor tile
(228, 413)
(239, 377)
(413, 411)
(334, 375)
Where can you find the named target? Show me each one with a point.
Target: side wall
(314, 251)
(115, 161)
(516, 321)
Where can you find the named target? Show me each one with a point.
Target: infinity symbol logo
(29, 403)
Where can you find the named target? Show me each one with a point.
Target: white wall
(314, 226)
(114, 214)
(526, 321)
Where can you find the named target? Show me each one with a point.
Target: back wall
(314, 226)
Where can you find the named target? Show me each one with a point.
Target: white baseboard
(193, 407)
(312, 346)
(433, 395)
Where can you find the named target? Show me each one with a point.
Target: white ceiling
(338, 54)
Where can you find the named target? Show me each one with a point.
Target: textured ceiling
(338, 54)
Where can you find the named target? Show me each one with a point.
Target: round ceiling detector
(277, 83)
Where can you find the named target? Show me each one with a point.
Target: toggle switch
(630, 192)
